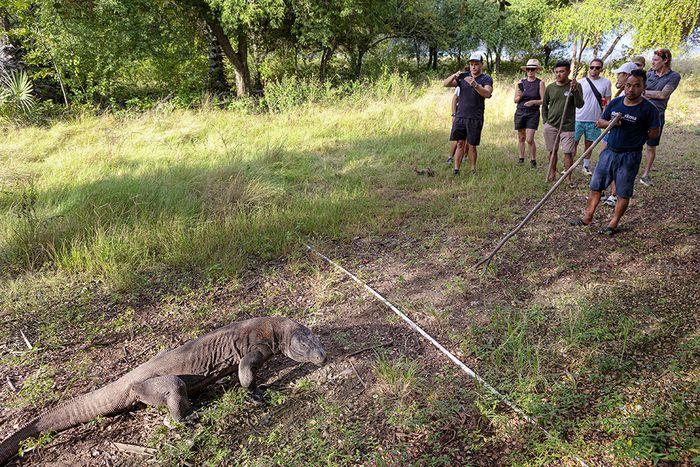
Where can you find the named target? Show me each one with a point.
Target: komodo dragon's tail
(109, 399)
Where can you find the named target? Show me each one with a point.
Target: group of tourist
(640, 100)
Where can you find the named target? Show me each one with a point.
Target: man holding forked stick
(558, 113)
(620, 160)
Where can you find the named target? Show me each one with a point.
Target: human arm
(454, 104)
(485, 90)
(654, 122)
(451, 81)
(665, 93)
(578, 93)
(518, 93)
(545, 105)
(604, 119)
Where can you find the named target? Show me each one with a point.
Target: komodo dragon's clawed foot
(258, 395)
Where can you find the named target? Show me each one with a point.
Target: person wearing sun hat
(528, 97)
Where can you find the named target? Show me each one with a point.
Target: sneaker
(521, 161)
(611, 201)
(449, 160)
(533, 164)
(455, 172)
(587, 171)
(646, 180)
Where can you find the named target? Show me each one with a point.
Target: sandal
(609, 231)
(577, 223)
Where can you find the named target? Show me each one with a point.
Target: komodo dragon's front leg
(247, 368)
(170, 391)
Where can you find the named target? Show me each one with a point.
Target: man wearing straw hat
(528, 97)
(474, 88)
(553, 114)
(596, 94)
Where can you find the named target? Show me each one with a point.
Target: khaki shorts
(566, 143)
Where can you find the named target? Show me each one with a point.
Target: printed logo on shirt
(626, 117)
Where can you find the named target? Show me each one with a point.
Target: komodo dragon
(173, 375)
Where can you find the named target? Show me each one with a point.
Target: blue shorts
(618, 167)
(587, 129)
(656, 141)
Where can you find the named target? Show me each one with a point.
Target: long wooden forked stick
(537, 207)
(553, 156)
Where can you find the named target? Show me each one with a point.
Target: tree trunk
(359, 56)
(326, 56)
(459, 58)
(238, 58)
(489, 60)
(217, 77)
(547, 55)
(497, 62)
(574, 49)
(433, 61)
(612, 47)
(416, 52)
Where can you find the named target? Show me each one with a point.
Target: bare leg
(620, 208)
(521, 143)
(460, 153)
(530, 140)
(453, 149)
(568, 162)
(552, 167)
(651, 155)
(472, 157)
(170, 391)
(591, 205)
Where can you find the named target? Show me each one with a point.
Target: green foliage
(16, 91)
(669, 29)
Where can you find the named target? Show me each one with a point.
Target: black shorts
(468, 129)
(529, 120)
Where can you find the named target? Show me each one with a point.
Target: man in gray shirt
(661, 82)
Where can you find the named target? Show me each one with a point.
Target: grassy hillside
(124, 234)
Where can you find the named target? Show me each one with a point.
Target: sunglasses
(595, 67)
(639, 64)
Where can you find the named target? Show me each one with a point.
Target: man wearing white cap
(474, 88)
(622, 73)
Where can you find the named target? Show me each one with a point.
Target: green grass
(126, 228)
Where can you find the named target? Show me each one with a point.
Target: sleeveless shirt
(531, 92)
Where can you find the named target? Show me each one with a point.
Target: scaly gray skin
(171, 376)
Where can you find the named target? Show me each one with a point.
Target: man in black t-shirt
(619, 161)
(474, 88)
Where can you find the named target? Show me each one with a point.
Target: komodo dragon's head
(303, 346)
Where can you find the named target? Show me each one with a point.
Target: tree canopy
(111, 51)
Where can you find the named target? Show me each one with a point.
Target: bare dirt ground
(645, 276)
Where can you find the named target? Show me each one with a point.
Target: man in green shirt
(553, 111)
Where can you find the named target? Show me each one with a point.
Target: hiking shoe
(455, 172)
(587, 171)
(611, 201)
(646, 180)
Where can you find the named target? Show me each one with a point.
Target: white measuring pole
(437, 345)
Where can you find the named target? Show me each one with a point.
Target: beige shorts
(566, 144)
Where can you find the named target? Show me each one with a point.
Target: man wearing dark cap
(474, 88)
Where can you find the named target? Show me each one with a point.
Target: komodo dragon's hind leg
(170, 391)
